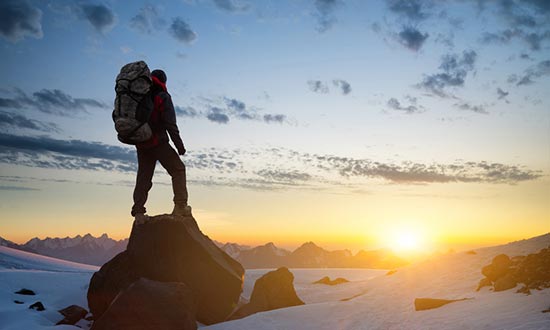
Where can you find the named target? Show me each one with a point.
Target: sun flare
(406, 240)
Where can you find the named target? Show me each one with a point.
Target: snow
(57, 284)
(387, 302)
(371, 300)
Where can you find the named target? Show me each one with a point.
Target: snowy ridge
(12, 259)
(387, 302)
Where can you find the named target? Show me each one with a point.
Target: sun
(406, 240)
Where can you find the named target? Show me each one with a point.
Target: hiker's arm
(169, 120)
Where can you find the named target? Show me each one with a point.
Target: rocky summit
(167, 248)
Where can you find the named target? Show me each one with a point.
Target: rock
(326, 280)
(113, 277)
(172, 249)
(72, 314)
(498, 267)
(37, 306)
(18, 302)
(421, 304)
(150, 305)
(271, 291)
(483, 283)
(506, 282)
(25, 292)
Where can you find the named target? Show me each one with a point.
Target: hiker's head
(160, 75)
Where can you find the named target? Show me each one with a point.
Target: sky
(352, 124)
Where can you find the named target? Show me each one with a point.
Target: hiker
(163, 123)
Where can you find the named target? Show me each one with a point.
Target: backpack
(133, 103)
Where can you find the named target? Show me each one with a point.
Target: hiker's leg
(146, 168)
(170, 160)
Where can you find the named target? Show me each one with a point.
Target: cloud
(18, 19)
(12, 120)
(501, 94)
(267, 168)
(239, 110)
(318, 86)
(413, 10)
(533, 39)
(46, 152)
(474, 108)
(51, 101)
(454, 69)
(231, 5)
(537, 71)
(16, 188)
(344, 86)
(412, 108)
(147, 20)
(182, 31)
(186, 111)
(324, 12)
(284, 176)
(277, 118)
(216, 115)
(101, 17)
(411, 38)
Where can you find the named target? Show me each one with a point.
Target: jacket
(163, 119)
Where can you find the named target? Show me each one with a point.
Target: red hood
(156, 81)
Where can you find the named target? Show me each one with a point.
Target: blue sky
(376, 102)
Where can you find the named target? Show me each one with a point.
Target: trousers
(147, 160)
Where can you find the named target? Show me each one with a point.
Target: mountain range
(92, 250)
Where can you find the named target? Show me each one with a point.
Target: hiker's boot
(181, 210)
(140, 218)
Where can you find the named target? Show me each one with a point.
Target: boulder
(483, 283)
(271, 291)
(498, 267)
(25, 292)
(326, 280)
(72, 314)
(150, 305)
(421, 304)
(505, 282)
(170, 248)
(37, 306)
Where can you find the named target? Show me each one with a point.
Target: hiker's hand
(182, 151)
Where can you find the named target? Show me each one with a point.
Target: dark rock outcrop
(271, 291)
(72, 314)
(326, 280)
(172, 249)
(422, 304)
(25, 292)
(37, 306)
(150, 305)
(505, 273)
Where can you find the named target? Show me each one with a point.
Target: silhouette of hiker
(157, 148)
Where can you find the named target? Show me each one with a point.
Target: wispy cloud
(51, 101)
(454, 69)
(412, 38)
(101, 17)
(148, 20)
(16, 121)
(412, 108)
(19, 19)
(471, 107)
(232, 6)
(278, 168)
(181, 31)
(324, 12)
(539, 70)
